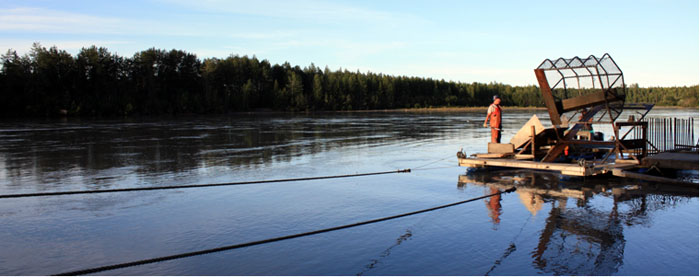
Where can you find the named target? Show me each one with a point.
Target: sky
(655, 43)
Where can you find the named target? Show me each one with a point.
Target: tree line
(49, 81)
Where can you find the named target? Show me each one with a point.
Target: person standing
(494, 114)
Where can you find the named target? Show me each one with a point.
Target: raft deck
(571, 169)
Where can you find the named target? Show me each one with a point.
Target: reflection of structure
(533, 202)
(580, 239)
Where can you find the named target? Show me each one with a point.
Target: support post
(532, 142)
(548, 97)
(644, 138)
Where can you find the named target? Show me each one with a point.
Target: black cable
(235, 246)
(38, 194)
(433, 168)
(439, 160)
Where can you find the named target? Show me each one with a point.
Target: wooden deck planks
(570, 169)
(566, 169)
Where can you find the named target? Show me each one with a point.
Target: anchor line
(270, 240)
(433, 162)
(433, 168)
(56, 193)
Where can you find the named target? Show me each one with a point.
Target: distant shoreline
(441, 109)
(468, 109)
(271, 112)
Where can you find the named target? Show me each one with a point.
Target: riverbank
(457, 109)
(274, 112)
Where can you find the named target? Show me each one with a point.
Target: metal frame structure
(586, 87)
(598, 81)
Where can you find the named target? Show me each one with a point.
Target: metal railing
(671, 134)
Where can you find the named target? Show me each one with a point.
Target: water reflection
(494, 206)
(107, 153)
(375, 262)
(100, 229)
(581, 237)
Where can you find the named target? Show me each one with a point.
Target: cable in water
(56, 193)
(242, 245)
(439, 160)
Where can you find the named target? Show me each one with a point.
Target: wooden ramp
(525, 133)
(570, 169)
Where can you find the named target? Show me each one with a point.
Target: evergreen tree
(49, 82)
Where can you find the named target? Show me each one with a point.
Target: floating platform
(673, 160)
(570, 169)
(588, 92)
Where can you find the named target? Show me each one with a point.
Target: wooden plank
(558, 149)
(554, 113)
(627, 174)
(533, 136)
(500, 148)
(554, 152)
(524, 134)
(574, 173)
(589, 142)
(584, 101)
(584, 134)
(566, 169)
(618, 161)
(524, 156)
(493, 155)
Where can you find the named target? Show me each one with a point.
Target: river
(552, 225)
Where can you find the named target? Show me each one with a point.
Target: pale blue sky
(654, 42)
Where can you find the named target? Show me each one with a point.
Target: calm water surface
(551, 226)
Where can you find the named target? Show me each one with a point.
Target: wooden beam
(554, 113)
(554, 152)
(558, 149)
(493, 155)
(589, 142)
(585, 101)
(563, 168)
(627, 174)
(532, 141)
(524, 156)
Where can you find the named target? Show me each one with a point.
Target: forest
(52, 82)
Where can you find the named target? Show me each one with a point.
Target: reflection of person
(494, 206)
(494, 114)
